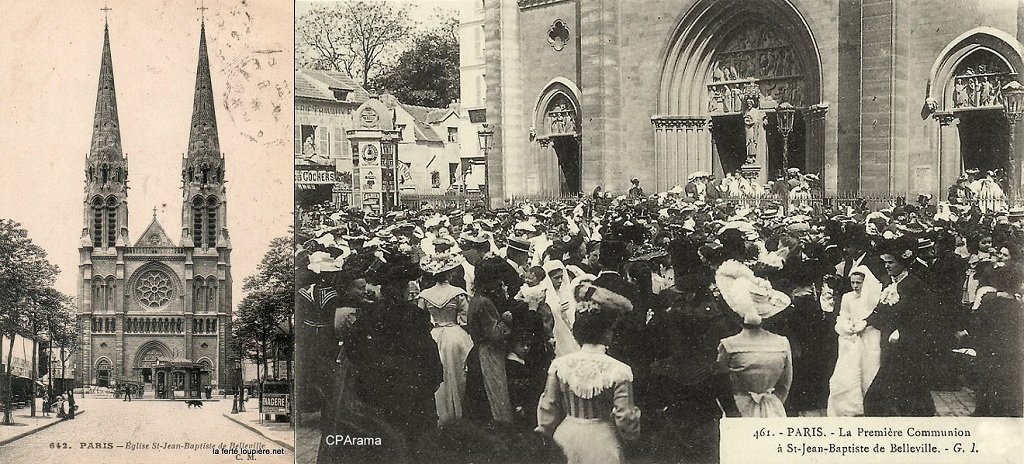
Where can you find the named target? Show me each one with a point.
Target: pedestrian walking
(128, 393)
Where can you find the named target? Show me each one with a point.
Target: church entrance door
(567, 149)
(984, 141)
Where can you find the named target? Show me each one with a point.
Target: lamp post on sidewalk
(1013, 109)
(785, 113)
(238, 388)
(486, 135)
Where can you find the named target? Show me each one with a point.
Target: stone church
(155, 311)
(889, 97)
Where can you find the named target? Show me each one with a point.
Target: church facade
(155, 311)
(889, 97)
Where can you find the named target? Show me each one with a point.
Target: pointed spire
(106, 131)
(203, 137)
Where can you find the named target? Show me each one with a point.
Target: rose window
(154, 289)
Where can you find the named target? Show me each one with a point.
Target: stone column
(756, 143)
(948, 156)
(814, 141)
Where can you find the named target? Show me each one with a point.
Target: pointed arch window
(111, 221)
(97, 222)
(108, 300)
(198, 292)
(211, 222)
(197, 222)
(205, 222)
(211, 295)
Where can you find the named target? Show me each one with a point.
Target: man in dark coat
(613, 255)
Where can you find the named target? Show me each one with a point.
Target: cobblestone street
(144, 432)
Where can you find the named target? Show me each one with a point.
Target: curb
(41, 428)
(257, 431)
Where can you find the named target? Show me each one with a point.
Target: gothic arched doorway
(148, 355)
(557, 129)
(732, 63)
(974, 133)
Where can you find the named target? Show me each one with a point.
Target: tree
(426, 74)
(52, 308)
(263, 327)
(25, 276)
(66, 335)
(353, 37)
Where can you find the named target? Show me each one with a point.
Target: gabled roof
(424, 117)
(320, 85)
(425, 133)
(154, 236)
(426, 114)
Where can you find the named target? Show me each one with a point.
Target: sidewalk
(26, 425)
(281, 433)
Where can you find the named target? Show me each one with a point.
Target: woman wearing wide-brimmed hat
(447, 305)
(760, 362)
(587, 405)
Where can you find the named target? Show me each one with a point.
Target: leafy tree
(263, 328)
(52, 308)
(25, 277)
(353, 37)
(427, 73)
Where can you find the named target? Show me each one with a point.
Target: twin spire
(203, 136)
(106, 135)
(106, 132)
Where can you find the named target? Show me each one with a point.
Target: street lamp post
(1013, 108)
(486, 135)
(785, 113)
(238, 388)
(241, 387)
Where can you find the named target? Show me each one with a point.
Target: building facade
(324, 104)
(473, 92)
(890, 97)
(434, 153)
(155, 311)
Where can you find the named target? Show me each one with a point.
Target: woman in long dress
(487, 393)
(859, 346)
(448, 306)
(587, 405)
(760, 363)
(999, 330)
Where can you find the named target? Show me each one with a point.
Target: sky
(49, 70)
(421, 11)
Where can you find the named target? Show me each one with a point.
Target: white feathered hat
(748, 295)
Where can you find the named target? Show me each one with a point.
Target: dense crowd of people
(604, 328)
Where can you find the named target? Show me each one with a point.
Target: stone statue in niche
(727, 100)
(753, 121)
(959, 93)
(717, 75)
(715, 102)
(986, 92)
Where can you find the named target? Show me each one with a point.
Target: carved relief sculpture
(757, 53)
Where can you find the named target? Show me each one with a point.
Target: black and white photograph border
(583, 231)
(163, 335)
